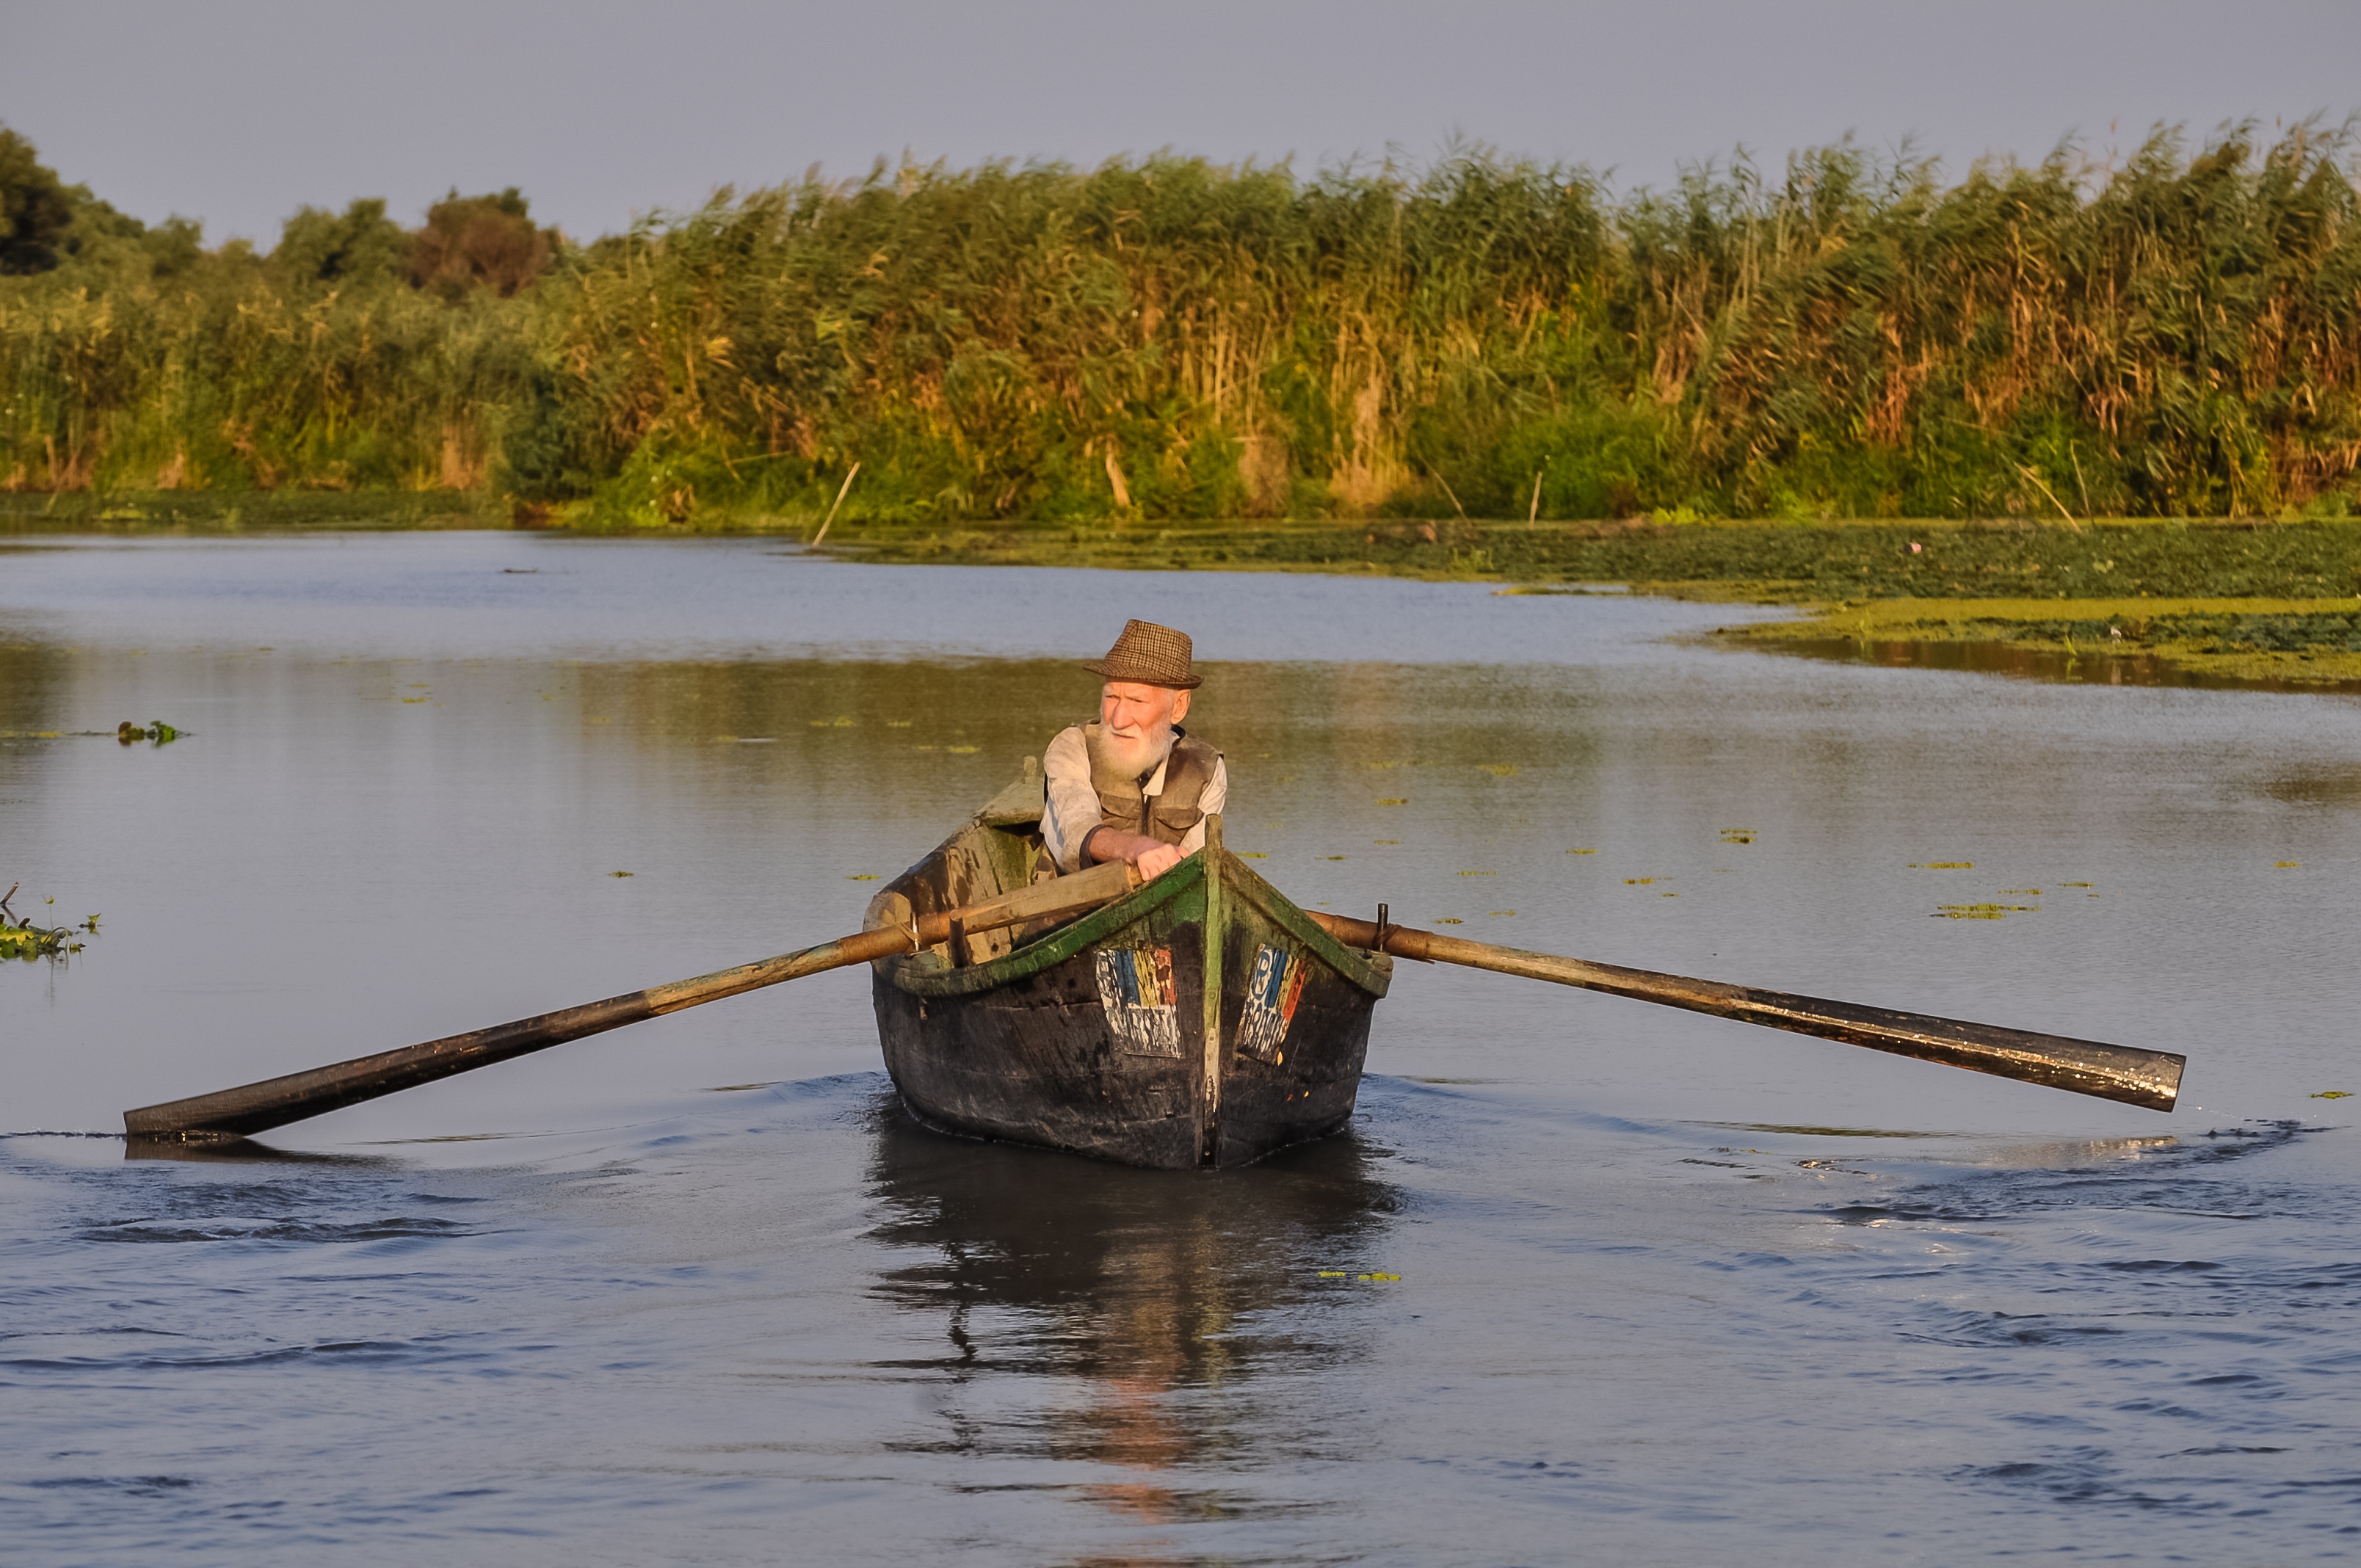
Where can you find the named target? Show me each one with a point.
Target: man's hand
(1152, 856)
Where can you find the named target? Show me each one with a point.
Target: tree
(35, 209)
(479, 242)
(362, 245)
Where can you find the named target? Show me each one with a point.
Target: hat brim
(1106, 670)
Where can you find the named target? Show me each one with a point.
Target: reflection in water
(244, 1151)
(1161, 1295)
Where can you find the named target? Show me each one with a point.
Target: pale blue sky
(238, 113)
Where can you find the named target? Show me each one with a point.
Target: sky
(237, 114)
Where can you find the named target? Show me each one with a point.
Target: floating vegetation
(2334, 1094)
(1395, 800)
(1447, 920)
(963, 751)
(155, 730)
(2074, 884)
(862, 876)
(1395, 841)
(26, 941)
(2020, 893)
(1499, 914)
(1331, 857)
(1737, 835)
(1250, 854)
(20, 938)
(1982, 911)
(841, 721)
(1480, 873)
(1942, 865)
(2284, 865)
(619, 873)
(1499, 770)
(1582, 851)
(2234, 633)
(1639, 881)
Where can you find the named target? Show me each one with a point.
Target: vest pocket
(1172, 824)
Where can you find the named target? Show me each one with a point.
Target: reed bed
(1170, 339)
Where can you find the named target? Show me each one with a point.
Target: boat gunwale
(1372, 972)
(910, 973)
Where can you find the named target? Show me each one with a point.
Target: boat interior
(997, 851)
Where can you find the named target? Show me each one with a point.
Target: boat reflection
(1163, 1320)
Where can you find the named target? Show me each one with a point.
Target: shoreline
(2270, 604)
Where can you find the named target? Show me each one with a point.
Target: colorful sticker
(1135, 990)
(1272, 997)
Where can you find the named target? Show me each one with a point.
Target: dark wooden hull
(1113, 1036)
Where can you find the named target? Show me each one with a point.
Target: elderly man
(1134, 786)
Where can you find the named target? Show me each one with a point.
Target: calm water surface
(1588, 1281)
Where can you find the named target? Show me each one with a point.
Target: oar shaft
(274, 1102)
(2135, 1077)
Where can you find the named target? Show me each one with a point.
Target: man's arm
(1212, 802)
(1072, 807)
(1152, 856)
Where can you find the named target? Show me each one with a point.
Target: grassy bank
(2266, 603)
(1771, 563)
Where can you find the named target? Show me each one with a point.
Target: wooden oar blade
(274, 1102)
(2122, 1073)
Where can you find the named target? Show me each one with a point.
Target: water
(1588, 1280)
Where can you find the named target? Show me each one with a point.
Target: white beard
(1139, 754)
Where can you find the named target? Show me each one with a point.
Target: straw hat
(1151, 654)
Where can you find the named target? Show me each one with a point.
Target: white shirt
(1071, 813)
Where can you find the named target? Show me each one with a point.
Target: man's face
(1139, 715)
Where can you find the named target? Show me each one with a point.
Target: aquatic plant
(21, 938)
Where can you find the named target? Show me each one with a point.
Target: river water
(1588, 1280)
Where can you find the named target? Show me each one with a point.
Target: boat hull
(1200, 1021)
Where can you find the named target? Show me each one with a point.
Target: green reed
(1173, 339)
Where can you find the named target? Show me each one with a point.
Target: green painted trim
(1055, 947)
(1212, 1059)
(920, 978)
(1281, 910)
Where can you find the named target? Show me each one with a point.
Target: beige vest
(1125, 804)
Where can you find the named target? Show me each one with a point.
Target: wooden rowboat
(1201, 1020)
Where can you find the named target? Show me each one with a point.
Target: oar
(2083, 1066)
(275, 1101)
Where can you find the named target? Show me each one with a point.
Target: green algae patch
(2257, 641)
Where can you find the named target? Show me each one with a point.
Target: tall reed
(2181, 334)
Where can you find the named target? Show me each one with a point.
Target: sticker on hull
(1271, 998)
(1135, 990)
